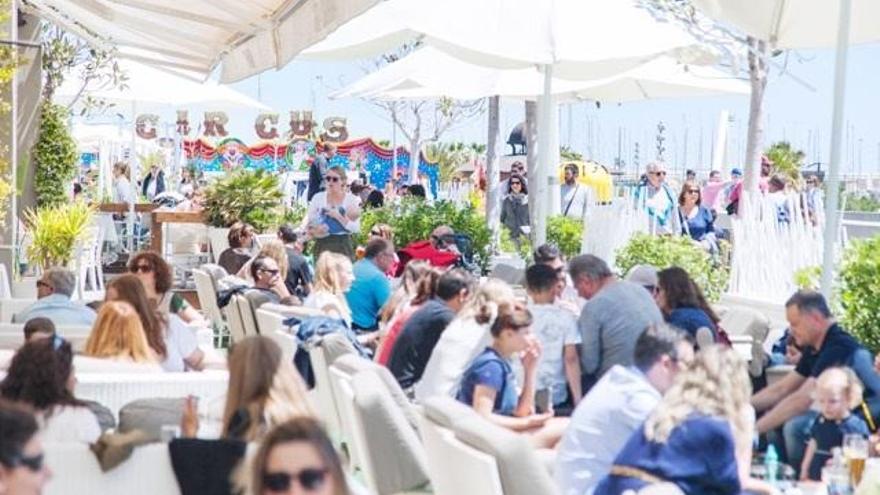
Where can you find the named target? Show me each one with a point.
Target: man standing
(54, 289)
(318, 170)
(825, 344)
(654, 196)
(615, 314)
(154, 182)
(618, 404)
(371, 287)
(299, 276)
(573, 194)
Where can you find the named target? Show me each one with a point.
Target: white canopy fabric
(150, 88)
(431, 73)
(796, 23)
(243, 38)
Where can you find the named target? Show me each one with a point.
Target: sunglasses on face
(693, 191)
(141, 269)
(659, 173)
(310, 479)
(40, 283)
(33, 463)
(333, 178)
(515, 183)
(270, 272)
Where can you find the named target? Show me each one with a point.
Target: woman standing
(683, 306)
(694, 219)
(698, 438)
(515, 207)
(121, 184)
(333, 216)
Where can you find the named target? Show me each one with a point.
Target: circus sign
(300, 125)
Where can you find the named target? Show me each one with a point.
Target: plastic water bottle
(771, 464)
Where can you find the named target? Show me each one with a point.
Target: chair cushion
(521, 470)
(150, 415)
(739, 320)
(352, 364)
(395, 450)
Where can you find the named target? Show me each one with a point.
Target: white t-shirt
(71, 424)
(180, 343)
(555, 328)
(122, 190)
(319, 202)
(459, 344)
(320, 300)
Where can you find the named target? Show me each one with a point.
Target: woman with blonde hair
(700, 435)
(264, 390)
(406, 291)
(463, 339)
(333, 277)
(119, 335)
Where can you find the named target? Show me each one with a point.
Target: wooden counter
(160, 216)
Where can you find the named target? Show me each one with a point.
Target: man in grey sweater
(615, 314)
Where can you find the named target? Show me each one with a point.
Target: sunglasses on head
(310, 479)
(333, 178)
(141, 268)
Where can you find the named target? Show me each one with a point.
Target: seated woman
(490, 387)
(119, 335)
(297, 452)
(695, 220)
(699, 437)
(264, 391)
(22, 463)
(333, 277)
(683, 305)
(155, 274)
(425, 281)
(241, 243)
(170, 339)
(41, 376)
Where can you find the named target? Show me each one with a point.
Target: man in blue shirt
(371, 287)
(825, 345)
(54, 289)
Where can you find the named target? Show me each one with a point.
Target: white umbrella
(431, 73)
(808, 24)
(575, 39)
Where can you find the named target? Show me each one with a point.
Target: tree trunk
(755, 140)
(531, 130)
(414, 151)
(493, 192)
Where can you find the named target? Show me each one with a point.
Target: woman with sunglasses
(515, 207)
(333, 216)
(22, 466)
(694, 219)
(41, 376)
(155, 275)
(297, 457)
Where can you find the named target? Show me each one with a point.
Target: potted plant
(252, 197)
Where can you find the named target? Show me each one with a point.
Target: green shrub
(566, 233)
(54, 157)
(55, 231)
(507, 245)
(665, 251)
(249, 196)
(808, 277)
(859, 291)
(413, 219)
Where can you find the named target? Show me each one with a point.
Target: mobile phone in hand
(542, 400)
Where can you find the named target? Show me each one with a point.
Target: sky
(798, 104)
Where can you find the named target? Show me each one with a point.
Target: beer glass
(855, 451)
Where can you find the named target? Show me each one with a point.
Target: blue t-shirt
(829, 434)
(700, 225)
(690, 320)
(698, 457)
(490, 370)
(368, 293)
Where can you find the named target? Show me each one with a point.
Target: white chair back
(233, 319)
(324, 391)
(456, 468)
(247, 315)
(271, 325)
(9, 307)
(75, 471)
(12, 335)
(207, 292)
(350, 431)
(218, 240)
(5, 287)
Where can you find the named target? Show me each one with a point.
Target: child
(556, 328)
(838, 391)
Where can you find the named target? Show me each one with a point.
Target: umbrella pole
(132, 182)
(832, 220)
(545, 158)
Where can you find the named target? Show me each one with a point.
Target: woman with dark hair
(694, 219)
(299, 453)
(241, 243)
(171, 340)
(155, 274)
(22, 466)
(515, 207)
(418, 285)
(684, 307)
(41, 376)
(376, 199)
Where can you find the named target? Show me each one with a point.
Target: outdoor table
(162, 216)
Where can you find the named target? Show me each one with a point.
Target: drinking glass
(855, 451)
